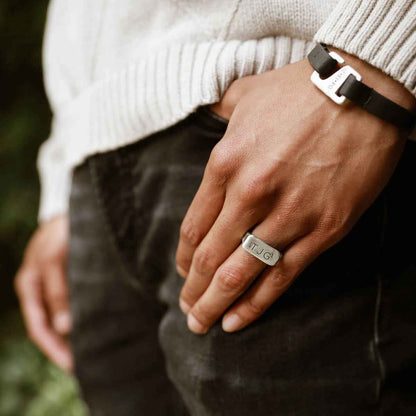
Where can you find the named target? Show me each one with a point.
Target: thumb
(56, 297)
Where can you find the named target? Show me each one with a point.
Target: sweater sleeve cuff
(381, 32)
(55, 179)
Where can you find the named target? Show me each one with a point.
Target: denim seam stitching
(376, 339)
(376, 335)
(128, 277)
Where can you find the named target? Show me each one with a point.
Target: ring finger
(234, 276)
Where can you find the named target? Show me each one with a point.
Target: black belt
(353, 89)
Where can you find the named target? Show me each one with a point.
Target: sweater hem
(152, 95)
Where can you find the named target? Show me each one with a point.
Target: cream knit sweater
(119, 70)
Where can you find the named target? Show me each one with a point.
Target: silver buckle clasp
(330, 86)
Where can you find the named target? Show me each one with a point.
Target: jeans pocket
(145, 188)
(112, 178)
(212, 120)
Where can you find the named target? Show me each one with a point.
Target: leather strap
(322, 62)
(361, 94)
(376, 103)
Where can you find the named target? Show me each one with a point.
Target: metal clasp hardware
(330, 86)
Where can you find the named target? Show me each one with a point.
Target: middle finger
(221, 240)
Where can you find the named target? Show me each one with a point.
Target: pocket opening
(208, 113)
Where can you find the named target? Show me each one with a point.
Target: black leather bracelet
(346, 83)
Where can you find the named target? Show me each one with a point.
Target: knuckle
(254, 189)
(254, 308)
(334, 225)
(280, 280)
(189, 294)
(190, 234)
(231, 279)
(182, 261)
(203, 314)
(289, 207)
(204, 261)
(181, 269)
(220, 163)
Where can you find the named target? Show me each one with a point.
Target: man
(186, 125)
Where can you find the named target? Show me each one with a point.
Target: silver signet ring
(258, 248)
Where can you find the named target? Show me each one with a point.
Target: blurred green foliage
(29, 384)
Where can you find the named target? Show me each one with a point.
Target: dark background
(25, 119)
(29, 384)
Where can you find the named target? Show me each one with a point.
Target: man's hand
(42, 290)
(296, 169)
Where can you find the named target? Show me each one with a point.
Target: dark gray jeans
(340, 341)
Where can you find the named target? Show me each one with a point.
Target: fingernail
(184, 306)
(62, 322)
(195, 326)
(231, 323)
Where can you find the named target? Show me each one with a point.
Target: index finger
(201, 215)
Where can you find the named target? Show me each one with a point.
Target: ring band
(258, 248)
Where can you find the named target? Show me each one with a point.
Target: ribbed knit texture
(380, 32)
(116, 72)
